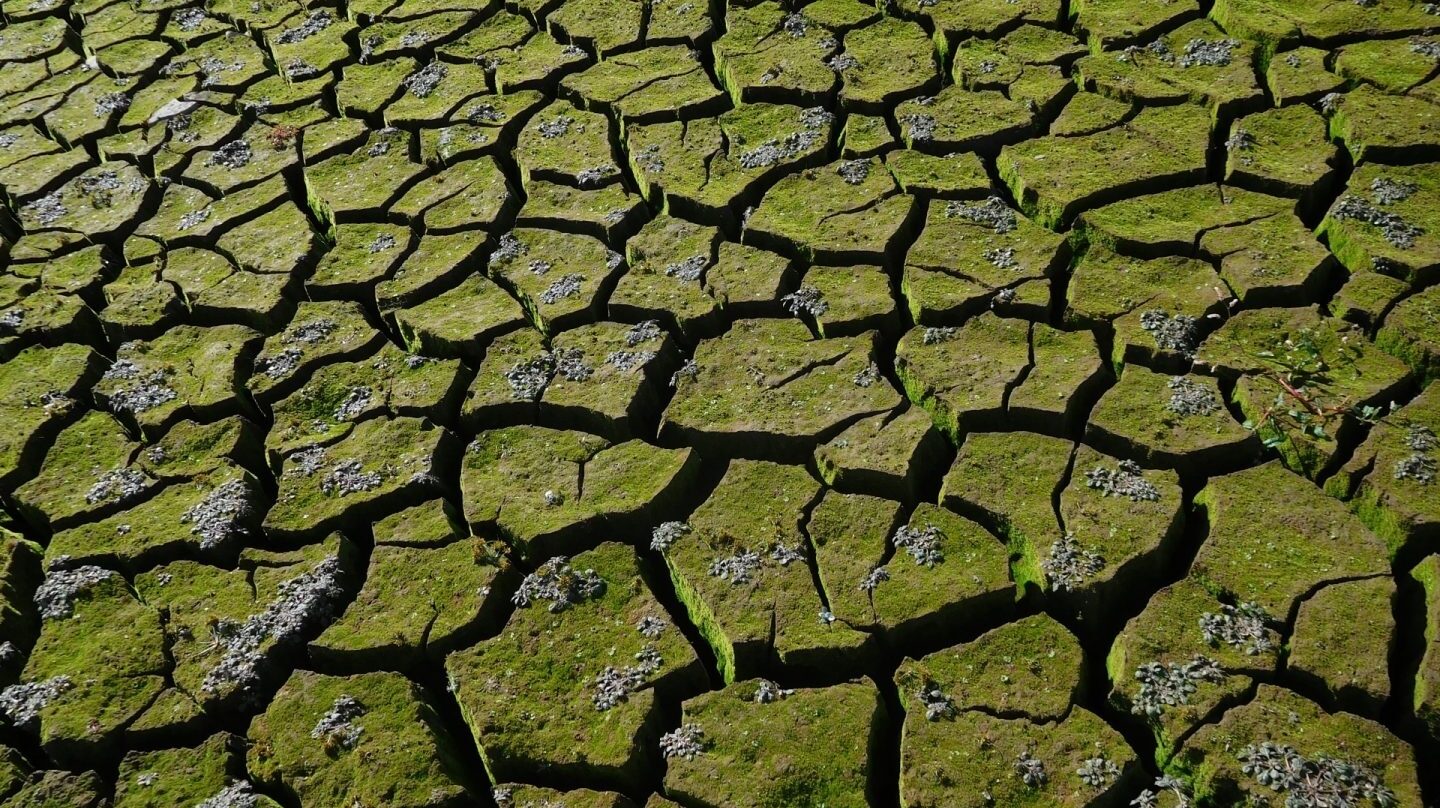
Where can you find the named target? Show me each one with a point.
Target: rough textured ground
(664, 402)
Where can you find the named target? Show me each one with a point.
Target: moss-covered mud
(690, 403)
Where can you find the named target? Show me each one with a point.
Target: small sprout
(686, 742)
(1069, 565)
(1125, 480)
(1319, 783)
(938, 705)
(666, 534)
(1240, 626)
(873, 579)
(651, 627)
(1163, 686)
(557, 583)
(923, 544)
(767, 692)
(336, 729)
(1179, 333)
(737, 569)
(1031, 770)
(992, 213)
(1098, 772)
(934, 336)
(854, 172)
(1189, 397)
(55, 597)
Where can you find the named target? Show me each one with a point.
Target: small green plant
(1300, 370)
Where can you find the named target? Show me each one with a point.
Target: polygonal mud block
(571, 687)
(205, 517)
(952, 176)
(883, 454)
(1113, 24)
(764, 56)
(88, 469)
(806, 746)
(1326, 652)
(463, 196)
(1281, 151)
(970, 253)
(99, 661)
(957, 119)
(668, 262)
(1386, 222)
(604, 25)
(1390, 479)
(1177, 422)
(1159, 309)
(56, 787)
(564, 144)
(884, 61)
(1279, 730)
(429, 590)
(361, 255)
(516, 56)
(769, 384)
(558, 277)
(1186, 656)
(1288, 20)
(185, 372)
(481, 126)
(1122, 527)
(460, 322)
(944, 573)
(382, 461)
(1374, 125)
(327, 407)
(349, 187)
(138, 304)
(247, 158)
(435, 262)
(102, 200)
(38, 389)
(1174, 222)
(1305, 538)
(1196, 63)
(983, 18)
(214, 290)
(981, 728)
(318, 334)
(370, 738)
(182, 776)
(846, 211)
(1007, 482)
(548, 491)
(1366, 296)
(232, 632)
(607, 213)
(850, 300)
(510, 795)
(707, 167)
(1300, 75)
(1260, 346)
(741, 569)
(1056, 178)
(749, 282)
(1270, 261)
(654, 84)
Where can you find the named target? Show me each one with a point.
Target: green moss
(1223, 86)
(213, 289)
(954, 176)
(757, 57)
(1360, 245)
(1365, 299)
(1274, 537)
(770, 378)
(401, 756)
(1273, 23)
(809, 747)
(198, 364)
(1427, 677)
(436, 262)
(1008, 482)
(1411, 331)
(25, 382)
(1139, 417)
(745, 279)
(1374, 125)
(530, 693)
(865, 135)
(1209, 759)
(178, 776)
(345, 187)
(466, 195)
(320, 333)
(882, 453)
(893, 59)
(566, 144)
(1168, 631)
(506, 474)
(1282, 151)
(112, 649)
(551, 301)
(1351, 666)
(362, 254)
(605, 24)
(956, 21)
(1400, 509)
(1087, 113)
(1107, 24)
(1055, 178)
(59, 496)
(653, 84)
(822, 214)
(963, 380)
(958, 119)
(460, 322)
(1270, 261)
(1300, 75)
